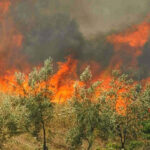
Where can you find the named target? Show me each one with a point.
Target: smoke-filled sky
(58, 28)
(105, 15)
(92, 15)
(104, 34)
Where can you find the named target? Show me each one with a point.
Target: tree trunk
(44, 137)
(122, 137)
(122, 146)
(89, 146)
(122, 143)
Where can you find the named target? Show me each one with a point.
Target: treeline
(118, 116)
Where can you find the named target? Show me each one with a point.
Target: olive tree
(126, 98)
(36, 97)
(145, 98)
(11, 117)
(91, 113)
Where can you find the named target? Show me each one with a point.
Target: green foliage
(127, 117)
(86, 75)
(145, 98)
(10, 120)
(99, 116)
(87, 113)
(112, 146)
(107, 119)
(135, 145)
(39, 109)
(92, 115)
(146, 129)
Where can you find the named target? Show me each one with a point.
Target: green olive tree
(11, 117)
(37, 99)
(91, 120)
(127, 106)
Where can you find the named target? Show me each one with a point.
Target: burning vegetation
(102, 105)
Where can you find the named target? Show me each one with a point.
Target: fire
(4, 6)
(128, 43)
(11, 41)
(136, 37)
(64, 79)
(11, 59)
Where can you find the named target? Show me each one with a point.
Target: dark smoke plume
(144, 61)
(56, 34)
(60, 28)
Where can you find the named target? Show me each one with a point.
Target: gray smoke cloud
(144, 61)
(92, 15)
(106, 15)
(55, 32)
(58, 28)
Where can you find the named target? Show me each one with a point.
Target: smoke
(106, 15)
(92, 16)
(57, 37)
(59, 28)
(144, 58)
(98, 49)
(55, 32)
(144, 61)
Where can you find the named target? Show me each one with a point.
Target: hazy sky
(50, 27)
(106, 15)
(103, 15)
(94, 16)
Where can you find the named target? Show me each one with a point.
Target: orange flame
(136, 37)
(129, 43)
(64, 80)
